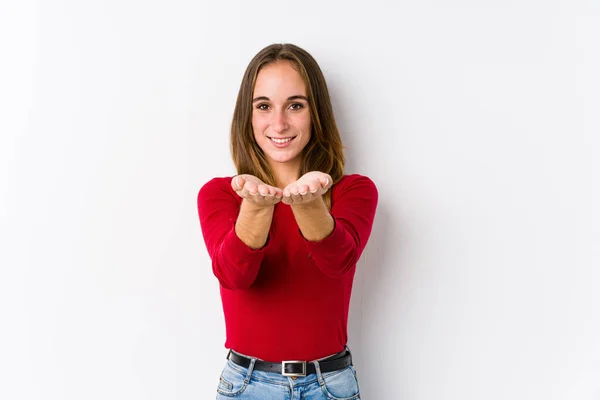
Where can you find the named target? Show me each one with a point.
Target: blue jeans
(247, 384)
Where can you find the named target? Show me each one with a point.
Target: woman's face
(280, 114)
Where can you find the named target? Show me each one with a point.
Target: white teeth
(281, 141)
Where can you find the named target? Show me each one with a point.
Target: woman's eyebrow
(265, 98)
(297, 97)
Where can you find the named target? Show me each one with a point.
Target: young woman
(284, 236)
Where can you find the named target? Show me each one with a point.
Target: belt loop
(319, 374)
(250, 369)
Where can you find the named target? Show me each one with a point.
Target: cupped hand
(256, 191)
(307, 189)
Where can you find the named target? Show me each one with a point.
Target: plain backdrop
(478, 120)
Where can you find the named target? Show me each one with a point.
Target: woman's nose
(279, 122)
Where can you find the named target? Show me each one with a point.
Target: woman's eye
(297, 106)
(262, 106)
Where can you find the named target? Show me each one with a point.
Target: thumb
(239, 182)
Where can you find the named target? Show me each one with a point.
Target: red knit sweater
(288, 300)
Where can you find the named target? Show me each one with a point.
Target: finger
(287, 194)
(324, 181)
(302, 189)
(286, 200)
(263, 190)
(314, 186)
(278, 193)
(251, 188)
(296, 198)
(275, 199)
(237, 183)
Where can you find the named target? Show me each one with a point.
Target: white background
(478, 120)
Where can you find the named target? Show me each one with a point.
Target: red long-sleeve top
(288, 300)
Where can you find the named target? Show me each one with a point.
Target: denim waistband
(278, 379)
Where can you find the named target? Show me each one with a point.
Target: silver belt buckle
(283, 364)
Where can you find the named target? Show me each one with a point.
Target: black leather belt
(336, 362)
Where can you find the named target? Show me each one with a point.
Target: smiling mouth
(282, 141)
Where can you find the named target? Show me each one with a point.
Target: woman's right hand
(256, 192)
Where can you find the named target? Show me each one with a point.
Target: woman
(284, 236)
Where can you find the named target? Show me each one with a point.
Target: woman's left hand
(307, 189)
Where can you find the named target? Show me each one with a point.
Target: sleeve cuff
(240, 251)
(335, 238)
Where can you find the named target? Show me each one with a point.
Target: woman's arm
(235, 230)
(314, 220)
(253, 224)
(336, 240)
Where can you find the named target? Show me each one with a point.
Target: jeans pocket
(232, 381)
(341, 385)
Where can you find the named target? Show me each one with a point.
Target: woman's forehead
(279, 79)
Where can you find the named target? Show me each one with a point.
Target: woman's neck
(285, 173)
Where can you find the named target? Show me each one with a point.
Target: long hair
(323, 152)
